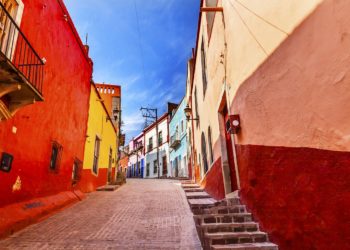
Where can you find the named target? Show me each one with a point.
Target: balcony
(21, 69)
(149, 147)
(175, 141)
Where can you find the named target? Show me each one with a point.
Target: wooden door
(229, 148)
(165, 165)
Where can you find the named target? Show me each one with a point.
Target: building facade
(40, 143)
(178, 141)
(136, 157)
(287, 89)
(157, 166)
(99, 165)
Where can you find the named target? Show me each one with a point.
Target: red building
(44, 140)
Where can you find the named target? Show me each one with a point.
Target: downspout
(233, 138)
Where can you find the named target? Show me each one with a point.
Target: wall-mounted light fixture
(188, 114)
(115, 114)
(235, 124)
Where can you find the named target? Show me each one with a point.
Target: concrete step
(197, 195)
(193, 190)
(223, 238)
(223, 210)
(190, 186)
(246, 246)
(196, 204)
(229, 227)
(222, 218)
(108, 188)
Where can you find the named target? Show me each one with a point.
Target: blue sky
(147, 55)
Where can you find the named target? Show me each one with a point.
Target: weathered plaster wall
(61, 117)
(293, 150)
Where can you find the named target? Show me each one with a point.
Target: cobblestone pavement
(143, 214)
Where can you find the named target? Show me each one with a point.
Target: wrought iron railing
(16, 47)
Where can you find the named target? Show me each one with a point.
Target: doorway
(165, 166)
(229, 150)
(109, 173)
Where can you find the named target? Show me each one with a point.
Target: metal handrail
(18, 50)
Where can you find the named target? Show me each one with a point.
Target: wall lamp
(188, 114)
(115, 114)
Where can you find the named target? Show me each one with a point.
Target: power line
(250, 31)
(140, 40)
(263, 19)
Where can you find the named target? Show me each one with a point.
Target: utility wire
(250, 31)
(263, 19)
(140, 40)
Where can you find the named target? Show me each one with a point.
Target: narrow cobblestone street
(143, 214)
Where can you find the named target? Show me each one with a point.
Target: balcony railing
(17, 49)
(175, 140)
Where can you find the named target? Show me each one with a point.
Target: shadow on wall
(293, 166)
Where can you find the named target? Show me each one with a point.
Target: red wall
(61, 117)
(89, 182)
(300, 196)
(293, 152)
(213, 182)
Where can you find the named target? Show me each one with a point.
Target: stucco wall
(98, 126)
(296, 161)
(151, 156)
(179, 121)
(61, 117)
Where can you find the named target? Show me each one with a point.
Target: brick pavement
(143, 214)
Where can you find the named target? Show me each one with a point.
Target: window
(155, 167)
(56, 153)
(182, 126)
(196, 104)
(150, 144)
(96, 155)
(210, 15)
(210, 146)
(160, 138)
(204, 153)
(147, 169)
(204, 68)
(76, 172)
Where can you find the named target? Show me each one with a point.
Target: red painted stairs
(226, 224)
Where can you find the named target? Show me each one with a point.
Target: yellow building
(100, 146)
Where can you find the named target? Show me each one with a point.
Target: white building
(151, 145)
(136, 157)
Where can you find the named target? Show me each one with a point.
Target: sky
(141, 45)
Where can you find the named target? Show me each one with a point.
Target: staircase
(226, 224)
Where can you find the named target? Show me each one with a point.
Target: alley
(143, 214)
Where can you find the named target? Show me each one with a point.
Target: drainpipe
(233, 137)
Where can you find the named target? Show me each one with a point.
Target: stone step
(230, 201)
(222, 218)
(196, 204)
(224, 209)
(197, 195)
(246, 246)
(187, 182)
(234, 238)
(193, 190)
(108, 188)
(190, 186)
(229, 227)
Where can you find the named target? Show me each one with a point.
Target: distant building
(157, 166)
(100, 146)
(136, 157)
(178, 141)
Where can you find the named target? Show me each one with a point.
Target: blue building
(178, 141)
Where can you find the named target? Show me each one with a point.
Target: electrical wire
(140, 39)
(263, 19)
(250, 31)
